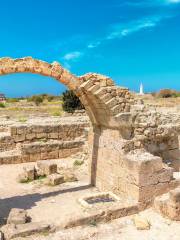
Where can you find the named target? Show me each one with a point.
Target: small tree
(71, 102)
(166, 93)
(37, 99)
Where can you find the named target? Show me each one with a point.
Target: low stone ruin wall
(63, 132)
(33, 142)
(42, 151)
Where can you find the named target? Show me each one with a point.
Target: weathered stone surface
(70, 177)
(12, 231)
(169, 204)
(47, 167)
(30, 172)
(55, 179)
(141, 223)
(17, 216)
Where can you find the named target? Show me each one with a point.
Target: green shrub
(78, 162)
(57, 114)
(71, 102)
(50, 98)
(166, 93)
(2, 105)
(37, 99)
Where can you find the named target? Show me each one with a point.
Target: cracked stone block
(12, 231)
(141, 223)
(168, 205)
(30, 172)
(47, 167)
(55, 179)
(70, 177)
(17, 216)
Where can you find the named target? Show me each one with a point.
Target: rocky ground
(56, 204)
(120, 229)
(43, 202)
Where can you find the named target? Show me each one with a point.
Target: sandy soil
(42, 202)
(56, 204)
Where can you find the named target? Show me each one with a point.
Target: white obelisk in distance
(141, 90)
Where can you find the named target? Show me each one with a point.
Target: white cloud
(123, 30)
(173, 1)
(149, 3)
(94, 44)
(72, 55)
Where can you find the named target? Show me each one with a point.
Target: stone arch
(104, 102)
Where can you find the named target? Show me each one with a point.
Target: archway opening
(30, 133)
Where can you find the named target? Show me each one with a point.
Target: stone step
(9, 157)
(12, 231)
(35, 151)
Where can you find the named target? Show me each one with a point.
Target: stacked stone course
(32, 142)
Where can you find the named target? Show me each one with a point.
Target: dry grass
(26, 109)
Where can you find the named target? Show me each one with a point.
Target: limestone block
(17, 216)
(30, 172)
(54, 135)
(22, 177)
(53, 155)
(13, 130)
(169, 204)
(141, 223)
(19, 138)
(30, 136)
(47, 167)
(55, 179)
(41, 135)
(34, 157)
(44, 155)
(175, 195)
(12, 231)
(70, 177)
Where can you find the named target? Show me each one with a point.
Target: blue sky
(131, 41)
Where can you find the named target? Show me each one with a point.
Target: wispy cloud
(72, 55)
(149, 3)
(123, 30)
(173, 1)
(94, 44)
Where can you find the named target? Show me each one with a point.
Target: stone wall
(60, 131)
(33, 142)
(137, 175)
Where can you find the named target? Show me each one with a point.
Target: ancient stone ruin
(133, 150)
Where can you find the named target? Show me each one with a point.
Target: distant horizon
(130, 41)
(56, 88)
(48, 85)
